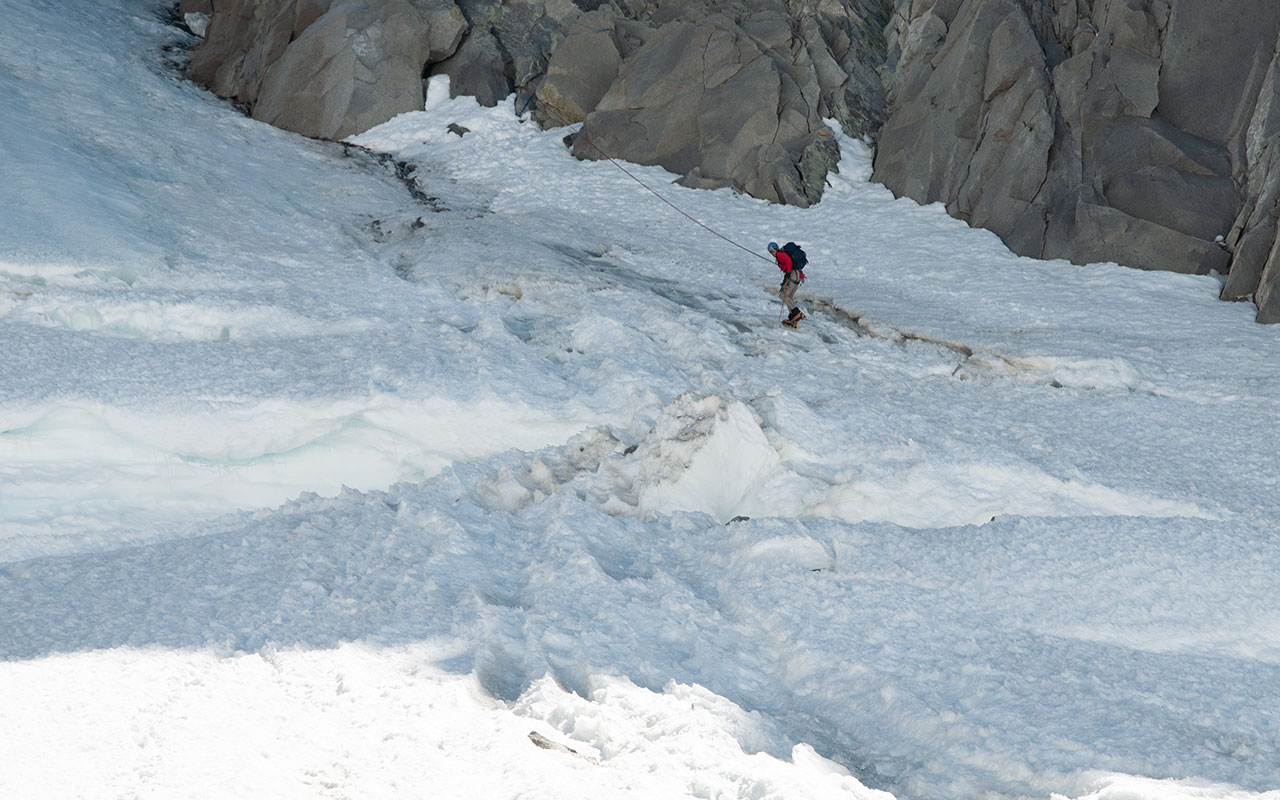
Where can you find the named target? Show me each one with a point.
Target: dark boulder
(325, 69)
(724, 94)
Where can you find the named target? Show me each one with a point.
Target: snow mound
(685, 742)
(1103, 374)
(932, 494)
(705, 454)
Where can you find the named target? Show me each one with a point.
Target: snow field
(379, 723)
(850, 639)
(309, 487)
(91, 467)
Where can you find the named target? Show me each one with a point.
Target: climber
(791, 260)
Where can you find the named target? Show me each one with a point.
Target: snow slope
(315, 486)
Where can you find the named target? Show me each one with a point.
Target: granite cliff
(1136, 131)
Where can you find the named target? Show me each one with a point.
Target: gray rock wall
(506, 47)
(1135, 131)
(325, 68)
(723, 93)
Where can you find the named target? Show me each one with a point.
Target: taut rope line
(653, 191)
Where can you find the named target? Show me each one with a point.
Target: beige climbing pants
(789, 286)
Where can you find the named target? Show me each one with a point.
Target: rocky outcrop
(1135, 131)
(325, 68)
(705, 101)
(195, 15)
(507, 46)
(1253, 240)
(725, 94)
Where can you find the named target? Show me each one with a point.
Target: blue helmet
(773, 246)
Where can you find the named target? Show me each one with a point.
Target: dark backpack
(798, 258)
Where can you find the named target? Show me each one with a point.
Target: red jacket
(784, 260)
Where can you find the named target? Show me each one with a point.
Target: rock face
(507, 46)
(322, 68)
(725, 94)
(1135, 131)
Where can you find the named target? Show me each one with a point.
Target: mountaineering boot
(794, 318)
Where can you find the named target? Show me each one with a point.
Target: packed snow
(438, 463)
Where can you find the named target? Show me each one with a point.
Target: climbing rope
(1085, 27)
(654, 192)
